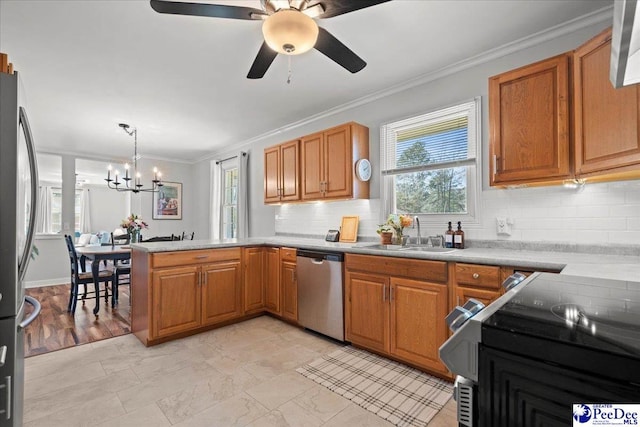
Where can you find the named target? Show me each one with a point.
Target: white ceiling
(88, 65)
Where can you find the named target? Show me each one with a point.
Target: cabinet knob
(476, 275)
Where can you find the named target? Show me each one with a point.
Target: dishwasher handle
(320, 255)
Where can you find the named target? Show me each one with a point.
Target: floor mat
(402, 395)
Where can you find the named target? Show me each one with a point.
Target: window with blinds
(429, 162)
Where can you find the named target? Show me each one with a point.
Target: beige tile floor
(240, 375)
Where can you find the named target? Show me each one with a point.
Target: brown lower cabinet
(179, 292)
(481, 282)
(281, 286)
(397, 307)
(254, 271)
(186, 292)
(289, 284)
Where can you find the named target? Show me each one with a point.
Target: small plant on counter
(398, 223)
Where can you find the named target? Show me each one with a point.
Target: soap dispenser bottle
(448, 237)
(458, 237)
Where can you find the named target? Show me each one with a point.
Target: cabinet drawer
(288, 254)
(483, 276)
(179, 258)
(433, 271)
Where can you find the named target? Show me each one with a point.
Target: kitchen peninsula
(186, 287)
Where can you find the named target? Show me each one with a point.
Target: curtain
(43, 218)
(216, 198)
(243, 190)
(85, 212)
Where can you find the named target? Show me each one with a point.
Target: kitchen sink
(407, 248)
(429, 249)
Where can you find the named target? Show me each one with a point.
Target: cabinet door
(418, 328)
(253, 279)
(272, 174)
(367, 310)
(221, 292)
(312, 168)
(606, 119)
(289, 171)
(289, 282)
(337, 151)
(485, 296)
(529, 123)
(272, 280)
(176, 300)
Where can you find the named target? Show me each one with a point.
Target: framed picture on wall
(167, 202)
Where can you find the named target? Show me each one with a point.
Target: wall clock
(363, 170)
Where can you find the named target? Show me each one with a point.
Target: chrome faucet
(418, 237)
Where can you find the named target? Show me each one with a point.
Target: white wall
(607, 213)
(107, 208)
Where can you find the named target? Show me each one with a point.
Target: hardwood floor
(55, 329)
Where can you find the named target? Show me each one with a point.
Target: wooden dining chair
(121, 276)
(83, 278)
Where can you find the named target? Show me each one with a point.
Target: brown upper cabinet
(324, 169)
(328, 163)
(606, 119)
(281, 172)
(532, 139)
(529, 123)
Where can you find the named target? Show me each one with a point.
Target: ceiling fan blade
(335, 50)
(210, 10)
(340, 7)
(263, 61)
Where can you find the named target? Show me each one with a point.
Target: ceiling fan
(288, 27)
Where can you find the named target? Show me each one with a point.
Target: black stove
(551, 342)
(574, 321)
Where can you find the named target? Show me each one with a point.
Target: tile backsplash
(601, 214)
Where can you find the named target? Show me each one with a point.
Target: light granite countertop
(611, 266)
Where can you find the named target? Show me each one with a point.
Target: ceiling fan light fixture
(290, 32)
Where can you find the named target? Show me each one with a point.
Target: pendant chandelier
(135, 186)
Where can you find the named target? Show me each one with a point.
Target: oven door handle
(36, 306)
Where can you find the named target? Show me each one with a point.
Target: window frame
(225, 167)
(474, 168)
(57, 189)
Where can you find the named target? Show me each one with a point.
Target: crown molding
(568, 27)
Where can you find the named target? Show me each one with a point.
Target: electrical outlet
(503, 225)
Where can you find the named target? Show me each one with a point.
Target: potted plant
(397, 224)
(386, 233)
(133, 224)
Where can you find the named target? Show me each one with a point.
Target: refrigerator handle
(7, 386)
(37, 307)
(3, 355)
(33, 170)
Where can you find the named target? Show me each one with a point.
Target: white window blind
(446, 135)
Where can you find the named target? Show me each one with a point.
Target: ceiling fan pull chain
(289, 75)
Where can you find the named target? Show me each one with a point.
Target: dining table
(96, 254)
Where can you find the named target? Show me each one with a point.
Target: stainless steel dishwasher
(321, 292)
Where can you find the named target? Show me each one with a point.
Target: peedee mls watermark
(605, 414)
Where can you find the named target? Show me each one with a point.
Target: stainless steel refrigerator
(18, 199)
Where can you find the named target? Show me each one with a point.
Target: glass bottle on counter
(458, 237)
(448, 237)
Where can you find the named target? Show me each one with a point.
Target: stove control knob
(457, 318)
(473, 305)
(514, 280)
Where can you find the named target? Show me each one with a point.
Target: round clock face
(363, 169)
